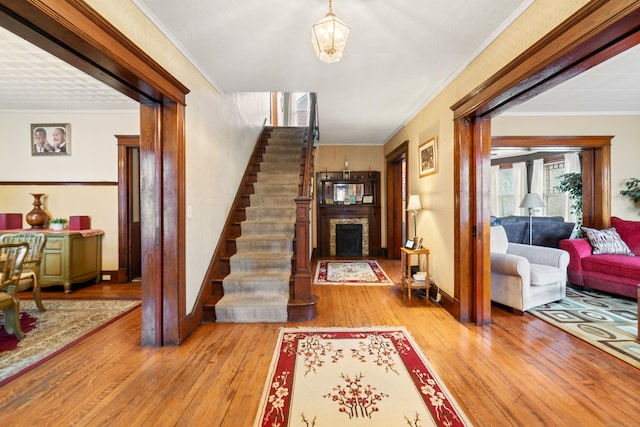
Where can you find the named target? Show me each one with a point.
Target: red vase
(37, 218)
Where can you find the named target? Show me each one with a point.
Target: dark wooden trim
(55, 183)
(77, 34)
(394, 198)
(543, 142)
(125, 142)
(74, 32)
(597, 32)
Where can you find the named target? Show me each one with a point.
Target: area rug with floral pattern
(63, 324)
(606, 321)
(351, 272)
(354, 377)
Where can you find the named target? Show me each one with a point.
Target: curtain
(519, 186)
(571, 165)
(495, 190)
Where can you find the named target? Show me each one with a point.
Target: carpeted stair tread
(257, 287)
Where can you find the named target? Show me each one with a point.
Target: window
(505, 195)
(555, 201)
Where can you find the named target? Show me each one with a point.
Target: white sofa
(526, 276)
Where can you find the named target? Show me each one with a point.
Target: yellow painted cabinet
(70, 257)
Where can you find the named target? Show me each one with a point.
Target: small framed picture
(50, 139)
(367, 199)
(409, 244)
(428, 157)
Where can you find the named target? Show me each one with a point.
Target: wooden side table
(407, 282)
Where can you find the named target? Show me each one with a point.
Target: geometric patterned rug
(63, 324)
(351, 272)
(354, 377)
(606, 321)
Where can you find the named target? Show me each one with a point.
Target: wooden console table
(71, 257)
(407, 281)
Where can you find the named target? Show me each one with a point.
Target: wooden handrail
(311, 144)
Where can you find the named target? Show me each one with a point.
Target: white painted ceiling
(399, 56)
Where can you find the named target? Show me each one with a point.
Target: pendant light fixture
(329, 37)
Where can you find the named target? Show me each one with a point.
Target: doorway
(396, 199)
(129, 237)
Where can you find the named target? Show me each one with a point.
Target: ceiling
(398, 57)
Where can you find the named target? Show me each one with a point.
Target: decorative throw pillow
(607, 241)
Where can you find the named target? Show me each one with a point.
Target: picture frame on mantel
(428, 157)
(50, 139)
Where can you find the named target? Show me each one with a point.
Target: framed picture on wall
(50, 139)
(428, 157)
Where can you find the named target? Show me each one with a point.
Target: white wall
(94, 158)
(221, 131)
(625, 149)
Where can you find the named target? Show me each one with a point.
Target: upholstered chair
(12, 256)
(30, 277)
(526, 276)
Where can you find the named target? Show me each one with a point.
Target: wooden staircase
(220, 264)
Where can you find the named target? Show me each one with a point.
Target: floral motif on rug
(606, 321)
(363, 273)
(354, 377)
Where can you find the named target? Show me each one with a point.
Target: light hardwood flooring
(518, 371)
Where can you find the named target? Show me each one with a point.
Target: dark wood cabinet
(348, 197)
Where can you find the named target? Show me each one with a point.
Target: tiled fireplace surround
(365, 233)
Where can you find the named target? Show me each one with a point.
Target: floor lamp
(414, 206)
(531, 201)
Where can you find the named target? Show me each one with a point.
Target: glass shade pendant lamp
(329, 37)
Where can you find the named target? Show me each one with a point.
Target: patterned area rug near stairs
(63, 324)
(257, 288)
(354, 377)
(351, 272)
(603, 320)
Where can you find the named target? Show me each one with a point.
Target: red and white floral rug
(361, 272)
(354, 377)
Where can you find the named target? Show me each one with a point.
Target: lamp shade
(532, 200)
(414, 203)
(329, 37)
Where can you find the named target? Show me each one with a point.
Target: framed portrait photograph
(428, 157)
(50, 139)
(409, 244)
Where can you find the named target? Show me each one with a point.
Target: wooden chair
(12, 256)
(30, 277)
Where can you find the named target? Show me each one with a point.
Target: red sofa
(617, 274)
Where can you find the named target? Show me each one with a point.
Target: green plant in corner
(633, 190)
(571, 183)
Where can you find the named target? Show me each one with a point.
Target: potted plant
(571, 183)
(633, 190)
(58, 223)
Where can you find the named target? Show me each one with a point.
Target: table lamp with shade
(531, 201)
(414, 206)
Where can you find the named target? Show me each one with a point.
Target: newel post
(302, 304)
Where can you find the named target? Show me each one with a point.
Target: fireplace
(349, 240)
(363, 226)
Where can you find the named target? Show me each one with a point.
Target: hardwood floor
(518, 371)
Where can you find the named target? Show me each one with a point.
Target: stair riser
(248, 286)
(262, 188)
(278, 177)
(264, 227)
(258, 200)
(267, 213)
(268, 265)
(250, 315)
(275, 167)
(267, 246)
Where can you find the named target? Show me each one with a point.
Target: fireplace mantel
(361, 206)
